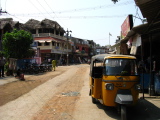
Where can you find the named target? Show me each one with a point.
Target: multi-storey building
(81, 50)
(49, 39)
(92, 48)
(102, 50)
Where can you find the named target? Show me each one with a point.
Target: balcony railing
(49, 35)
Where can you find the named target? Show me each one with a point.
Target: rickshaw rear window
(98, 63)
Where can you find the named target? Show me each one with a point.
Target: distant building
(48, 39)
(102, 50)
(81, 50)
(92, 48)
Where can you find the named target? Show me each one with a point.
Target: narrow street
(63, 95)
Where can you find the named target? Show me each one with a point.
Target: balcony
(49, 35)
(60, 51)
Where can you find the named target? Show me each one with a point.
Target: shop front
(143, 42)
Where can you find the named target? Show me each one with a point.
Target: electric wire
(96, 7)
(85, 17)
(81, 9)
(49, 7)
(135, 15)
(43, 7)
(92, 17)
(36, 7)
(54, 13)
(16, 17)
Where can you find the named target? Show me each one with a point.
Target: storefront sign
(126, 26)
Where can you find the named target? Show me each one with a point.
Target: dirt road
(62, 95)
(52, 98)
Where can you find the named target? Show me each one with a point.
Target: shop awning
(41, 41)
(149, 9)
(47, 39)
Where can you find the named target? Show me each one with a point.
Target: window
(46, 43)
(53, 43)
(57, 32)
(40, 31)
(33, 31)
(39, 44)
(120, 67)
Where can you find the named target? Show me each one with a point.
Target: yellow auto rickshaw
(114, 81)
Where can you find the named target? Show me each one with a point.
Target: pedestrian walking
(2, 63)
(54, 65)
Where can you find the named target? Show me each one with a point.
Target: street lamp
(67, 33)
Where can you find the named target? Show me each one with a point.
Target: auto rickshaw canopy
(101, 57)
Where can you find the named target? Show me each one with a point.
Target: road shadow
(144, 110)
(110, 111)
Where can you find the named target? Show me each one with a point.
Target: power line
(49, 7)
(83, 9)
(16, 17)
(42, 6)
(1, 11)
(52, 11)
(88, 17)
(36, 7)
(96, 7)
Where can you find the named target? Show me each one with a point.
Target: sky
(87, 19)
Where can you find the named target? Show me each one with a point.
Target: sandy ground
(63, 95)
(47, 96)
(15, 89)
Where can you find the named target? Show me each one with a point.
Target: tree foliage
(17, 44)
(115, 1)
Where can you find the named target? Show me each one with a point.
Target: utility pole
(109, 38)
(67, 33)
(1, 11)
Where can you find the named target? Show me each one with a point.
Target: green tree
(17, 44)
(97, 45)
(115, 1)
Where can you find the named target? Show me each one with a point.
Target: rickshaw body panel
(120, 83)
(96, 87)
(108, 96)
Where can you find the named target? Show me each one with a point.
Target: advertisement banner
(126, 26)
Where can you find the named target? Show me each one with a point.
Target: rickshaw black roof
(100, 57)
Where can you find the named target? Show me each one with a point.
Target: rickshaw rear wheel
(94, 100)
(123, 113)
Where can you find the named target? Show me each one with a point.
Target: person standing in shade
(54, 64)
(2, 63)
